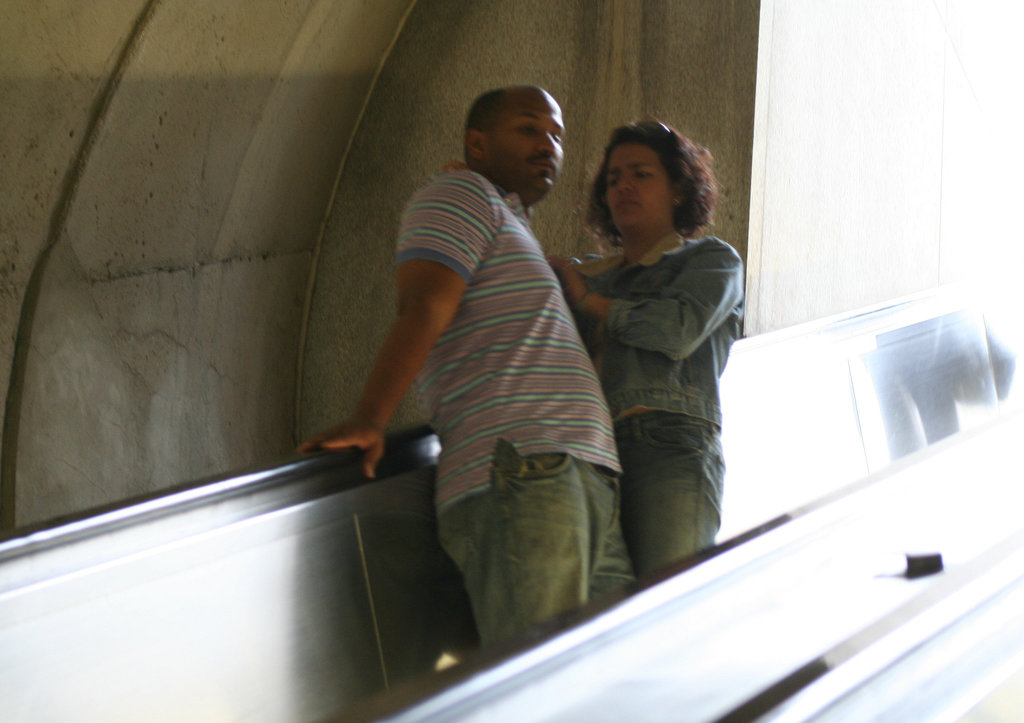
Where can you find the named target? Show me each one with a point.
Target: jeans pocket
(539, 470)
(516, 471)
(508, 462)
(674, 431)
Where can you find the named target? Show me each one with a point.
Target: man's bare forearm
(399, 360)
(428, 296)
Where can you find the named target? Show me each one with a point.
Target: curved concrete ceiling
(167, 170)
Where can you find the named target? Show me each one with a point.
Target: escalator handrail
(325, 473)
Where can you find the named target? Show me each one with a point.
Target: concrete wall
(887, 153)
(167, 167)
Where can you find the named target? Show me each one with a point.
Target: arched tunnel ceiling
(167, 169)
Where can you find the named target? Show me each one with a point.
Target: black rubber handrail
(309, 476)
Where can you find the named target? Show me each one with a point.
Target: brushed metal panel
(924, 382)
(818, 594)
(254, 605)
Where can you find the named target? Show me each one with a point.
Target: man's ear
(476, 145)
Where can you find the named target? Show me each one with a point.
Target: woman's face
(639, 193)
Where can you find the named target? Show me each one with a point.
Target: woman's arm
(698, 300)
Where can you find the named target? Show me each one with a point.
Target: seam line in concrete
(30, 301)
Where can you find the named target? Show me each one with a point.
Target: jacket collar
(616, 259)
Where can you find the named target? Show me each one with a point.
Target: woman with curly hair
(659, 314)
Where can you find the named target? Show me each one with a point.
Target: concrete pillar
(886, 155)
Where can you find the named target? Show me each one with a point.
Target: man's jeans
(671, 486)
(544, 539)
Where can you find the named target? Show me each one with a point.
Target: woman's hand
(577, 291)
(574, 284)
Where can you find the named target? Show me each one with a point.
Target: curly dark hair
(688, 165)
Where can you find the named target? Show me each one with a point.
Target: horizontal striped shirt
(511, 364)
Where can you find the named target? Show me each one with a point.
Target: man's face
(522, 151)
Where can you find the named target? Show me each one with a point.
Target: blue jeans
(671, 486)
(544, 539)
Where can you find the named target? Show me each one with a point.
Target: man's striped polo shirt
(511, 364)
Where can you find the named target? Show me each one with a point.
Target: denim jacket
(673, 318)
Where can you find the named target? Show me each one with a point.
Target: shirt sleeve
(702, 296)
(450, 220)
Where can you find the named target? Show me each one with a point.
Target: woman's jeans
(671, 486)
(544, 539)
